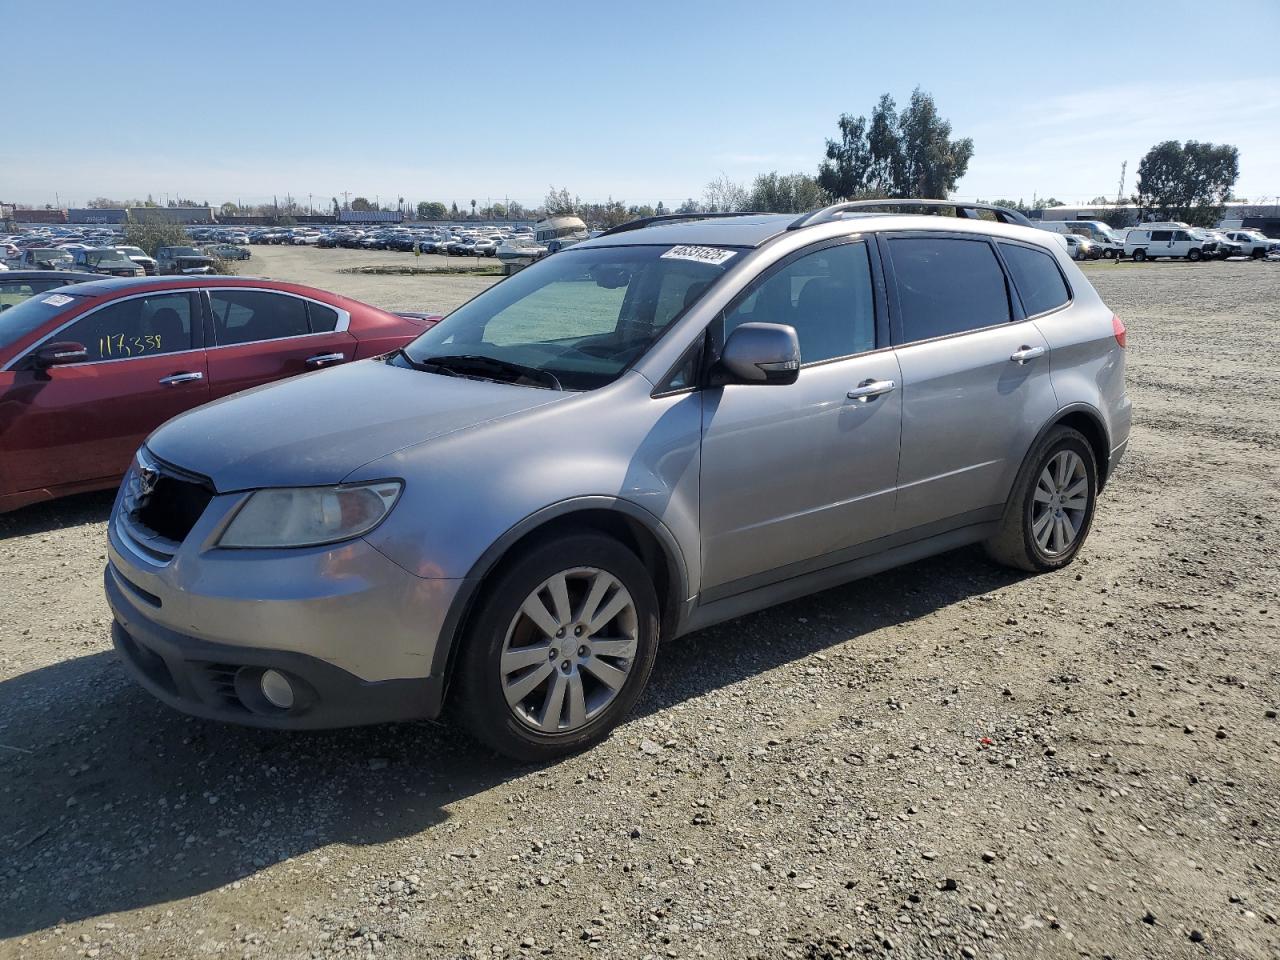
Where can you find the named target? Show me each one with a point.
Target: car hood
(317, 428)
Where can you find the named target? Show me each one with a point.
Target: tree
(473, 209)
(785, 193)
(725, 196)
(431, 211)
(516, 211)
(453, 210)
(907, 155)
(1099, 201)
(228, 209)
(1188, 182)
(498, 211)
(337, 210)
(102, 203)
(559, 203)
(659, 210)
(689, 206)
(361, 204)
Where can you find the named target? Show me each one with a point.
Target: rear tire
(542, 686)
(1050, 509)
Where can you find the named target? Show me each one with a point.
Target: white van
(1107, 240)
(1152, 240)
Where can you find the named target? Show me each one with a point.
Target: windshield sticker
(57, 300)
(712, 255)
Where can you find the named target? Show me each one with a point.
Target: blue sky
(638, 100)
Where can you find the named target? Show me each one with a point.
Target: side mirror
(765, 353)
(57, 354)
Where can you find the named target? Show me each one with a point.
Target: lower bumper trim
(219, 681)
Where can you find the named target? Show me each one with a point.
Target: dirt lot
(947, 760)
(325, 269)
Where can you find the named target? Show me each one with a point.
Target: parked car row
(1092, 240)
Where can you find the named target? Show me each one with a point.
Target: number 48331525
(124, 345)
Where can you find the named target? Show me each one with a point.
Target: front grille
(173, 507)
(221, 678)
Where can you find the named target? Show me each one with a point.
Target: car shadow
(56, 514)
(110, 801)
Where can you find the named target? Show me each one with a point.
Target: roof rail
(964, 210)
(672, 217)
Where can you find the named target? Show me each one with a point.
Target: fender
(446, 644)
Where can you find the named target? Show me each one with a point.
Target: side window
(1037, 277)
(947, 285)
(323, 319)
(244, 316)
(826, 295)
(138, 327)
(1161, 235)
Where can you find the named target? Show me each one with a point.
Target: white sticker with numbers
(57, 300)
(712, 255)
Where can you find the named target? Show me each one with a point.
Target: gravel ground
(324, 269)
(947, 760)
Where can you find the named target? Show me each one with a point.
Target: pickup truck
(182, 261)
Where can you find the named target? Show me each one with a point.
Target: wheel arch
(638, 529)
(1088, 421)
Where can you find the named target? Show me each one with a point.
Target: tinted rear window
(323, 319)
(1037, 277)
(947, 285)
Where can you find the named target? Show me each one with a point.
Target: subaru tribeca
(679, 422)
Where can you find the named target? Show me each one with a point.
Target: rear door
(263, 335)
(975, 378)
(82, 422)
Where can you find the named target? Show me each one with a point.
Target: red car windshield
(20, 320)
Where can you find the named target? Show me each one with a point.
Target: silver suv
(676, 423)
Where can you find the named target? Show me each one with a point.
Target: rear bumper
(220, 681)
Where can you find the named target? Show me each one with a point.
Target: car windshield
(582, 316)
(131, 251)
(99, 258)
(20, 320)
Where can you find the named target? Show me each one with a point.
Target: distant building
(1132, 212)
(171, 214)
(97, 215)
(40, 216)
(370, 216)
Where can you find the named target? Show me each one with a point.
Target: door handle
(1024, 353)
(185, 377)
(868, 390)
(324, 359)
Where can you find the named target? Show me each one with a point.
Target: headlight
(307, 516)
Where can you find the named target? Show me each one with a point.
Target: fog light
(277, 689)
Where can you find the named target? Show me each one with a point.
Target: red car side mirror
(57, 354)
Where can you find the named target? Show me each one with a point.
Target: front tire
(1139, 256)
(1050, 510)
(560, 648)
(1194, 255)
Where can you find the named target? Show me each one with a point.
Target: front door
(265, 335)
(792, 475)
(82, 422)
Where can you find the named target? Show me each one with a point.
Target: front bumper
(221, 681)
(356, 632)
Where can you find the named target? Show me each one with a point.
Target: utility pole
(1120, 190)
(346, 194)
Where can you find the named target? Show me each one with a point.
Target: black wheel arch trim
(446, 649)
(1092, 412)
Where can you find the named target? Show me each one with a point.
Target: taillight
(1117, 327)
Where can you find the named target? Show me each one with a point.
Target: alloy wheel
(1060, 503)
(569, 649)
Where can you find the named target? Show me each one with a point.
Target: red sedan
(87, 371)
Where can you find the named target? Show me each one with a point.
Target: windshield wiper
(476, 363)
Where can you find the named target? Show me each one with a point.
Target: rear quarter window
(1036, 275)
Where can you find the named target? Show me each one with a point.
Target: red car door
(78, 425)
(264, 335)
